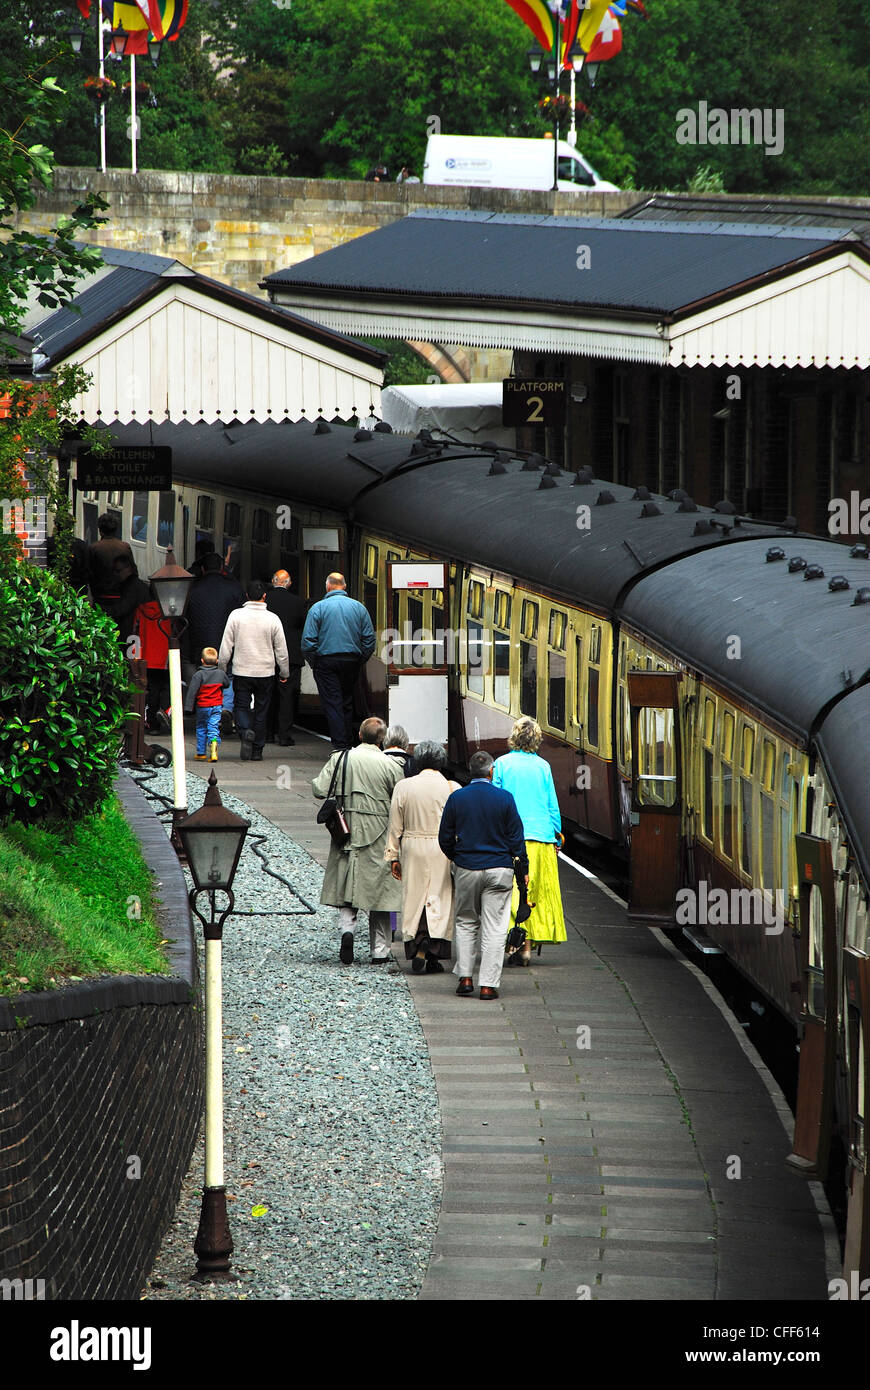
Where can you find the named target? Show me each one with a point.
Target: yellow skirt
(547, 922)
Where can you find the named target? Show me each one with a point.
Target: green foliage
(706, 180)
(404, 367)
(65, 903)
(42, 267)
(63, 694)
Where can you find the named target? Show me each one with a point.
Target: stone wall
(100, 1099)
(239, 229)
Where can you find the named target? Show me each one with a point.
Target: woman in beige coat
(416, 859)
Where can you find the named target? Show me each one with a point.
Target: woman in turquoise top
(529, 779)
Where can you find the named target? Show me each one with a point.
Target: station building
(719, 346)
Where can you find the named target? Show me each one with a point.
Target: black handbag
(331, 813)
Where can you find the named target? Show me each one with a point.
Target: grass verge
(69, 904)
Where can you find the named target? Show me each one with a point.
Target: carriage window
(475, 657)
(655, 732)
(768, 843)
(768, 765)
(727, 785)
(746, 825)
(139, 523)
(595, 644)
(439, 656)
(370, 599)
(165, 519)
(232, 537)
(205, 512)
(529, 679)
(114, 499)
(592, 707)
(261, 526)
(748, 750)
(420, 652)
(395, 595)
(90, 511)
(475, 599)
(370, 564)
(530, 619)
(707, 769)
(558, 629)
(579, 709)
(501, 653)
(556, 690)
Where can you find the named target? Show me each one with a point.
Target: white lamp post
(172, 588)
(213, 838)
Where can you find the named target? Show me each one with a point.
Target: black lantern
(155, 48)
(76, 38)
(120, 39)
(213, 838)
(172, 587)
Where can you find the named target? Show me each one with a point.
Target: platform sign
(532, 402)
(140, 468)
(413, 575)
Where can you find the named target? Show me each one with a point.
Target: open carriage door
(856, 969)
(416, 658)
(818, 938)
(656, 794)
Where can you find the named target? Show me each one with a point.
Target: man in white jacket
(254, 640)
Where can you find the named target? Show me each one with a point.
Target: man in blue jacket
(482, 833)
(337, 641)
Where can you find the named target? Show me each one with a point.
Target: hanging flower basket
(559, 108)
(99, 89)
(142, 88)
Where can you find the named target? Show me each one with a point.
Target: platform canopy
(162, 342)
(673, 293)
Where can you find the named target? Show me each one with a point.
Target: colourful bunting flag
(537, 17)
(608, 41)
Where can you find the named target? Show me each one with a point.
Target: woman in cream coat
(416, 859)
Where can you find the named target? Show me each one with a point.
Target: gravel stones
(332, 1127)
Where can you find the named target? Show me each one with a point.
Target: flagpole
(102, 57)
(133, 113)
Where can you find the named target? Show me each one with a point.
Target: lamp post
(172, 589)
(554, 62)
(76, 38)
(213, 838)
(577, 61)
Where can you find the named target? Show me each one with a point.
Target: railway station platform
(608, 1133)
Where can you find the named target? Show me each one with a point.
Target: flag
(537, 17)
(84, 8)
(151, 14)
(589, 25)
(174, 17)
(608, 41)
(569, 32)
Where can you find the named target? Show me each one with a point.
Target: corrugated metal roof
(831, 215)
(498, 257)
(91, 309)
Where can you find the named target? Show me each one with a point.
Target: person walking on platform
(416, 860)
(482, 833)
(337, 641)
(290, 608)
(213, 598)
(103, 575)
(254, 641)
(528, 778)
(396, 746)
(154, 651)
(204, 694)
(358, 876)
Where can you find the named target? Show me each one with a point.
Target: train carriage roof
(801, 645)
(444, 500)
(841, 734)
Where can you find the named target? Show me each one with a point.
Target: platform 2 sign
(141, 468)
(532, 402)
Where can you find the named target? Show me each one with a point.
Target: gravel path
(331, 1112)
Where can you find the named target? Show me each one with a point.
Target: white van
(489, 161)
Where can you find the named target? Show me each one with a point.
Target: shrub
(63, 694)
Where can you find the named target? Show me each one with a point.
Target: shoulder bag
(331, 813)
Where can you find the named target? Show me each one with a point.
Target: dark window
(370, 599)
(592, 707)
(205, 511)
(746, 825)
(529, 679)
(90, 512)
(165, 519)
(139, 526)
(556, 691)
(768, 847)
(261, 526)
(707, 821)
(475, 657)
(727, 793)
(501, 679)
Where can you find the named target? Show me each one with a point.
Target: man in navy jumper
(482, 833)
(337, 641)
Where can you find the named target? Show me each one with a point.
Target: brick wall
(100, 1099)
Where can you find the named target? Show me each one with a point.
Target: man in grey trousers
(482, 833)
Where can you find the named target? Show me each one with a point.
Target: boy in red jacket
(206, 693)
